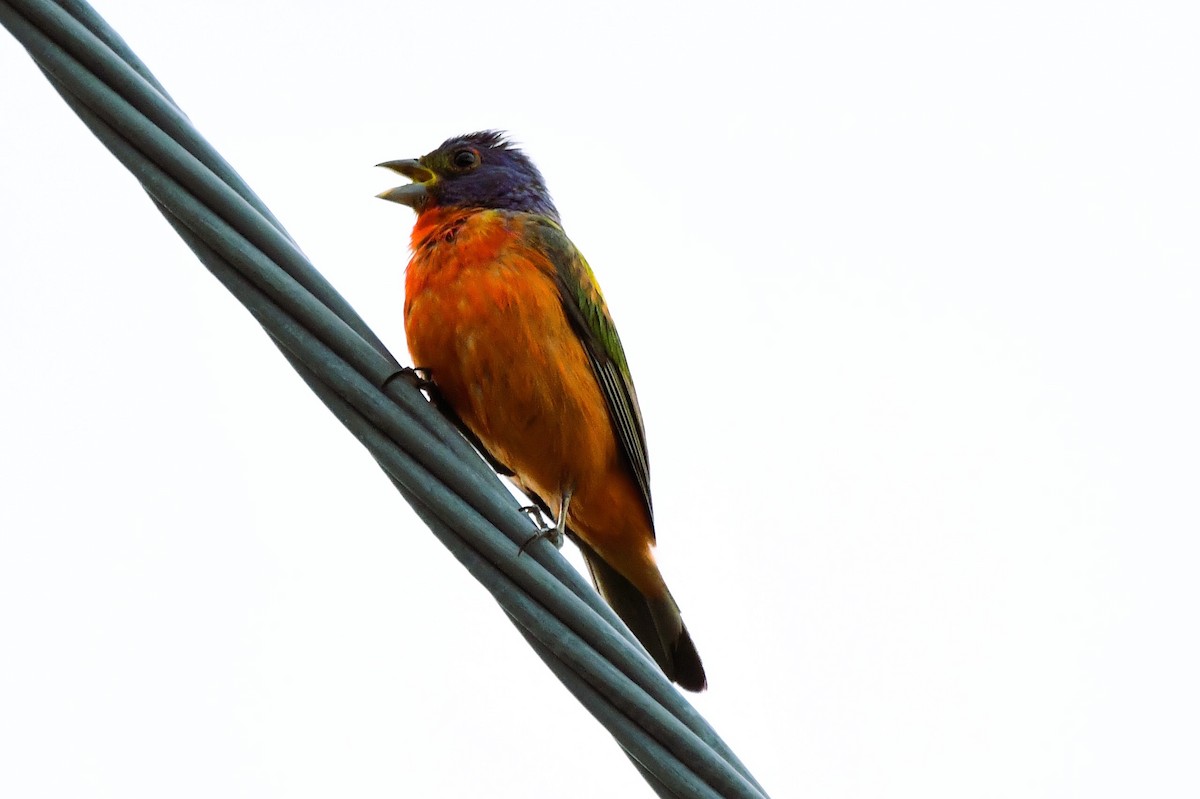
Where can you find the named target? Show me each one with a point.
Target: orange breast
(483, 314)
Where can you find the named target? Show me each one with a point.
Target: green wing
(585, 307)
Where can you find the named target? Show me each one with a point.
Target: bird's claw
(418, 377)
(556, 531)
(550, 532)
(536, 515)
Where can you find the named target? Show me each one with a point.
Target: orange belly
(484, 315)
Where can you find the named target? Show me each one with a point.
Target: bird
(505, 316)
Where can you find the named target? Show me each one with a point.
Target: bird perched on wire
(505, 315)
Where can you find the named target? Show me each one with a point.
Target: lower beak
(415, 194)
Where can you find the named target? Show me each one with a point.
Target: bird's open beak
(414, 194)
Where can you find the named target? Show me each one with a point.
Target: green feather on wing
(585, 307)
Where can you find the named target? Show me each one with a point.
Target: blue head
(478, 170)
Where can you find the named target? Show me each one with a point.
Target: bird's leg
(560, 527)
(553, 532)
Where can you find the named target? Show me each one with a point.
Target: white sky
(910, 296)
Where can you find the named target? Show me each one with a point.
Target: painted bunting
(505, 315)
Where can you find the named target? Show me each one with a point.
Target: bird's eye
(465, 159)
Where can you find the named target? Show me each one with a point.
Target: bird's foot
(418, 377)
(537, 516)
(551, 532)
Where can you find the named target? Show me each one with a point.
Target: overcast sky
(910, 294)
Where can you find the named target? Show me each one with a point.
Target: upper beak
(414, 194)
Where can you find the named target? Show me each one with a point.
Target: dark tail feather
(689, 671)
(656, 623)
